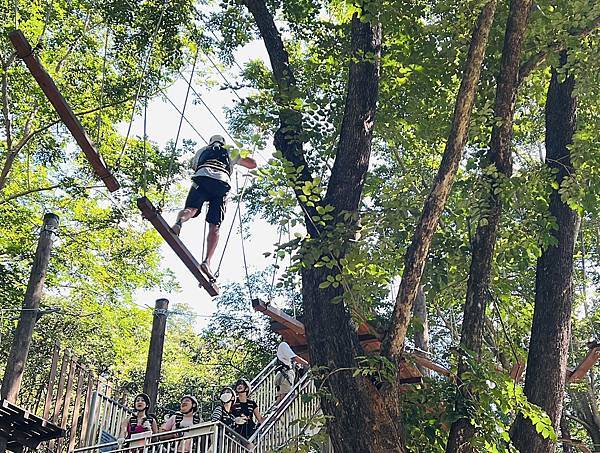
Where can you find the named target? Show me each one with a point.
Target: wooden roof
(22, 428)
(294, 334)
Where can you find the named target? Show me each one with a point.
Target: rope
(170, 170)
(232, 222)
(145, 156)
(242, 241)
(184, 117)
(102, 87)
(275, 267)
(142, 77)
(211, 113)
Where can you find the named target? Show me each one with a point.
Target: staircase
(285, 423)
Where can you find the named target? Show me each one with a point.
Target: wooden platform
(150, 213)
(586, 364)
(23, 429)
(294, 334)
(41, 76)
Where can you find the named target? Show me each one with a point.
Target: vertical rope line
(241, 196)
(275, 266)
(145, 155)
(102, 86)
(142, 78)
(203, 235)
(170, 169)
(239, 211)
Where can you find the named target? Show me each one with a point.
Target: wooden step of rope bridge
(21, 428)
(41, 76)
(152, 214)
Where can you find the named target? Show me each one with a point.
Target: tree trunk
(551, 329)
(484, 242)
(416, 255)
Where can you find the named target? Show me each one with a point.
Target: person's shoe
(176, 228)
(204, 267)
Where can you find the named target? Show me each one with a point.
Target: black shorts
(213, 191)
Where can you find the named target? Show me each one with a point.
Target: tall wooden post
(155, 353)
(24, 333)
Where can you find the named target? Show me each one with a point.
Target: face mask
(226, 397)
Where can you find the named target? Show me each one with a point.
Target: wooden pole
(155, 352)
(24, 333)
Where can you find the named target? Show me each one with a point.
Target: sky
(162, 123)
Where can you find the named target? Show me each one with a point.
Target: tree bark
(416, 255)
(551, 329)
(17, 357)
(484, 243)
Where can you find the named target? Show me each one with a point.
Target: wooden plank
(426, 363)
(280, 316)
(61, 386)
(68, 396)
(22, 428)
(51, 379)
(150, 213)
(86, 408)
(76, 409)
(41, 76)
(586, 364)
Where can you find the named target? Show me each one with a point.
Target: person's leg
(193, 204)
(212, 239)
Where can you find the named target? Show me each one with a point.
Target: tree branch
(288, 137)
(537, 59)
(416, 255)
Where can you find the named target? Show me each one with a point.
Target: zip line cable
(142, 77)
(174, 151)
(184, 117)
(145, 156)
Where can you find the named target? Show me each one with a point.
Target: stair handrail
(262, 376)
(280, 410)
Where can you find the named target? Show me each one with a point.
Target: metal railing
(290, 419)
(263, 387)
(107, 416)
(209, 437)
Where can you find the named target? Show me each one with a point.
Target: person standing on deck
(286, 374)
(245, 411)
(211, 182)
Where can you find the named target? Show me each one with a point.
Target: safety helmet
(193, 399)
(217, 139)
(227, 390)
(145, 397)
(243, 382)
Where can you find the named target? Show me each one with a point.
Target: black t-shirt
(240, 409)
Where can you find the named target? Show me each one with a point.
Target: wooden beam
(585, 365)
(280, 316)
(155, 351)
(150, 213)
(41, 76)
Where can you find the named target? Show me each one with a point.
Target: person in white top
(286, 374)
(212, 165)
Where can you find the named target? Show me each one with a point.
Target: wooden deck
(23, 429)
(152, 214)
(41, 76)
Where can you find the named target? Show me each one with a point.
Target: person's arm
(168, 425)
(123, 432)
(154, 426)
(259, 417)
(216, 414)
(300, 360)
(247, 162)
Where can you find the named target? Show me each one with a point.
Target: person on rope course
(286, 373)
(187, 416)
(212, 165)
(245, 410)
(139, 426)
